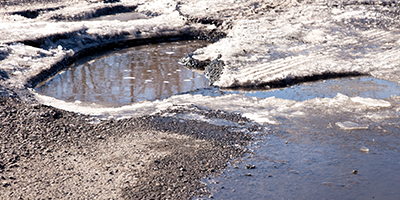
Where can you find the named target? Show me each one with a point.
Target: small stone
(327, 183)
(6, 184)
(248, 174)
(364, 149)
(355, 172)
(250, 166)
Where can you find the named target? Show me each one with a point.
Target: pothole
(122, 77)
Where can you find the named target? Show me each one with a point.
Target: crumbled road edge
(51, 153)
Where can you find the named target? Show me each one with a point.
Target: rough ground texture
(51, 153)
(47, 152)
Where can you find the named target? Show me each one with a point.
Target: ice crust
(306, 39)
(347, 125)
(264, 111)
(266, 41)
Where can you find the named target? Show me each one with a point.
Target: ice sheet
(261, 110)
(306, 39)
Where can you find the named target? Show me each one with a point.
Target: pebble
(364, 149)
(250, 166)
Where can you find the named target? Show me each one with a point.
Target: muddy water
(305, 157)
(122, 77)
(309, 157)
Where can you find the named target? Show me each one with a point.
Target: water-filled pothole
(307, 151)
(122, 77)
(367, 87)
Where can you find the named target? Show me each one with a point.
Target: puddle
(304, 169)
(320, 154)
(367, 87)
(122, 77)
(342, 147)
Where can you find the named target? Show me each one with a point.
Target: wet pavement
(331, 138)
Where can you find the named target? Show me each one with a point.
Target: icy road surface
(341, 146)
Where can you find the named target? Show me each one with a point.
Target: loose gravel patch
(51, 153)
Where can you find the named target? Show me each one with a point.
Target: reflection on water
(308, 156)
(367, 87)
(140, 73)
(328, 166)
(354, 86)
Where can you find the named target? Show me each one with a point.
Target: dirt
(51, 153)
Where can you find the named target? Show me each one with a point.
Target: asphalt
(48, 153)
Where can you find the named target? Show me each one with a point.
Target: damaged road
(162, 149)
(51, 153)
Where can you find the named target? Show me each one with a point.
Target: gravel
(49, 153)
(46, 152)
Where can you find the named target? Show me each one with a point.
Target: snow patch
(371, 102)
(347, 125)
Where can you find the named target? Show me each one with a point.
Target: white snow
(347, 125)
(371, 102)
(264, 111)
(266, 41)
(304, 40)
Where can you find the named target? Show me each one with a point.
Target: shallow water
(122, 77)
(328, 165)
(309, 156)
(352, 86)
(367, 87)
(323, 145)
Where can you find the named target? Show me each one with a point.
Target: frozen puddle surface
(122, 77)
